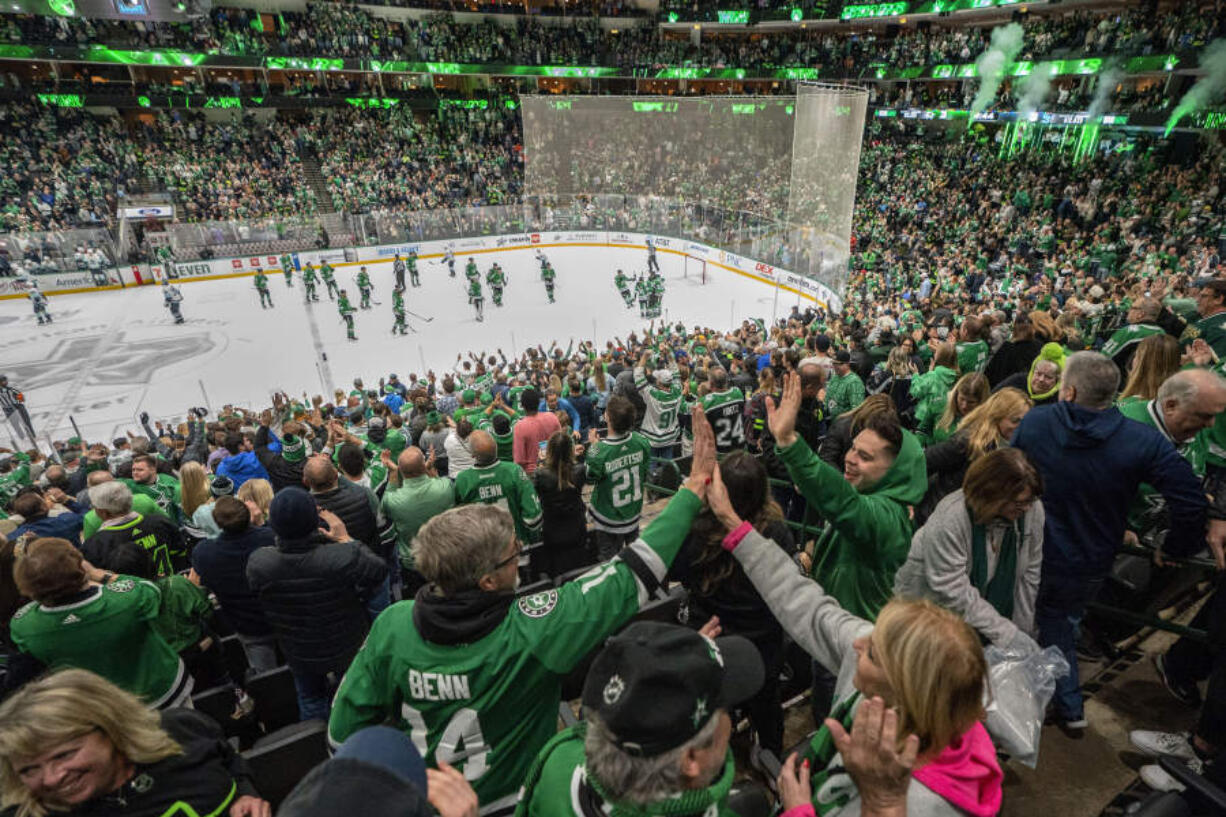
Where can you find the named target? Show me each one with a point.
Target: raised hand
(877, 762)
(782, 418)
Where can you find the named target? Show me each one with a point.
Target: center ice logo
(127, 362)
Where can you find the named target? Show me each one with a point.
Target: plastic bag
(1020, 687)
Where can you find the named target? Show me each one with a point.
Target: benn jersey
(110, 631)
(617, 467)
(726, 412)
(488, 705)
(506, 485)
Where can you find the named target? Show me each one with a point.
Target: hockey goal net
(695, 270)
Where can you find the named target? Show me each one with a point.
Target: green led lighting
(372, 103)
(64, 8)
(512, 104)
(62, 100)
(656, 107)
(100, 53)
(303, 64)
(873, 10)
(797, 73)
(673, 17)
(561, 104)
(143, 101)
(797, 15)
(223, 102)
(481, 104)
(735, 17)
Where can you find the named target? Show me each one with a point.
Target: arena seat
(279, 760)
(236, 658)
(276, 699)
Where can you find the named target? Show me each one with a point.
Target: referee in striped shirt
(12, 402)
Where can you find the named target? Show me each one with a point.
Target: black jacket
(155, 533)
(734, 599)
(198, 781)
(281, 473)
(313, 592)
(352, 504)
(563, 514)
(222, 565)
(1012, 357)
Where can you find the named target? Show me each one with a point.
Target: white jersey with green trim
(660, 425)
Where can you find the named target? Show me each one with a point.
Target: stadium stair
(315, 177)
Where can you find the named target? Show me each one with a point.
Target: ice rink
(110, 355)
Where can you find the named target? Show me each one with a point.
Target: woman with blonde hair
(981, 551)
(257, 494)
(966, 395)
(194, 481)
(987, 428)
(919, 660)
(194, 487)
(1157, 358)
(73, 743)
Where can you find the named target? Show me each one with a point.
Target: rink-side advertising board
(431, 251)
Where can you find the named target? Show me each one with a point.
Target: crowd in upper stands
(333, 29)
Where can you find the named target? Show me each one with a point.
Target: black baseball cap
(842, 356)
(656, 685)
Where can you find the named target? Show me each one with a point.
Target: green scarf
(999, 589)
(822, 750)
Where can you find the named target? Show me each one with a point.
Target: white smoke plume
(1005, 45)
(1108, 78)
(1034, 92)
(1209, 88)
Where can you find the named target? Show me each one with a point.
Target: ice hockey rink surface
(110, 355)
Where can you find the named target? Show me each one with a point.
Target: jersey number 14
(461, 745)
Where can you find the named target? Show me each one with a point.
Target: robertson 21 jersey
(487, 706)
(617, 467)
(725, 411)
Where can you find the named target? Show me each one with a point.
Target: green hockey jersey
(1147, 516)
(504, 484)
(165, 492)
(487, 706)
(972, 356)
(617, 468)
(111, 632)
(725, 411)
(1129, 335)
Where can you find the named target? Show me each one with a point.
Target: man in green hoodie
(866, 508)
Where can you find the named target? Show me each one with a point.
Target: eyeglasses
(514, 557)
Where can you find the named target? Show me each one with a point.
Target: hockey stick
(419, 317)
